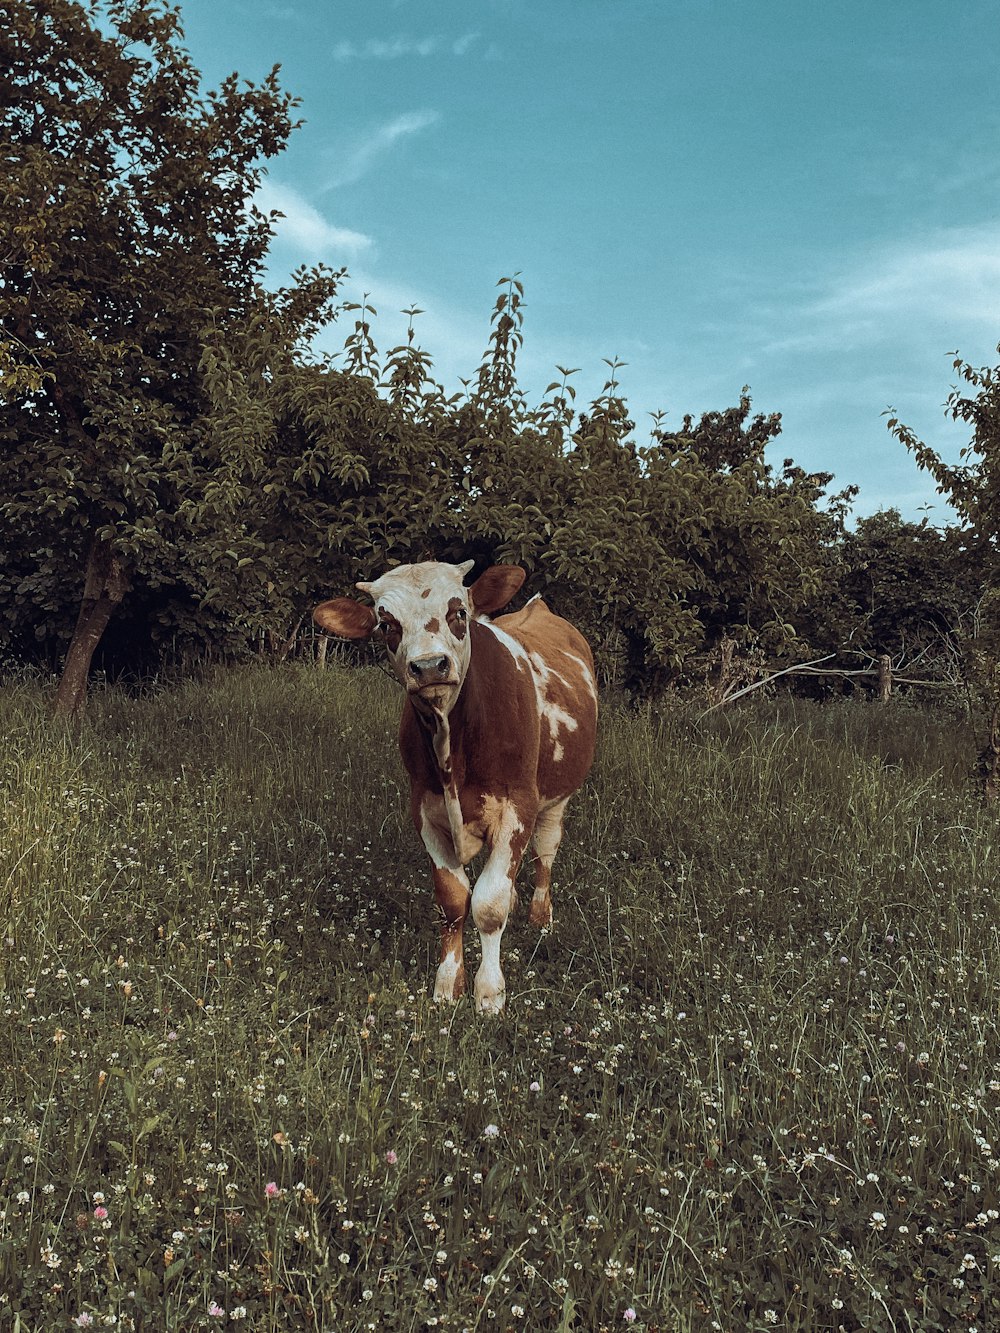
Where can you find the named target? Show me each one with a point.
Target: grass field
(750, 1080)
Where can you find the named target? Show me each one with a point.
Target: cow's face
(422, 613)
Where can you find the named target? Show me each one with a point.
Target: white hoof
(449, 984)
(490, 996)
(491, 1004)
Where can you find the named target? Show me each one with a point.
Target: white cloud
(940, 290)
(359, 160)
(304, 228)
(397, 48)
(952, 277)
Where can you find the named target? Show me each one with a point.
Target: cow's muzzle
(425, 671)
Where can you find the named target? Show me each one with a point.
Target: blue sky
(800, 197)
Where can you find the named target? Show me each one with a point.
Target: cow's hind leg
(546, 838)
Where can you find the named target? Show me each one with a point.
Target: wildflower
(271, 1190)
(491, 1132)
(391, 1158)
(770, 1316)
(877, 1222)
(216, 1311)
(430, 1284)
(534, 1086)
(630, 1316)
(83, 1320)
(344, 1257)
(100, 1213)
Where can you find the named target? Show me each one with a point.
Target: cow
(497, 732)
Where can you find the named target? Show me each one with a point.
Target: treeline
(180, 475)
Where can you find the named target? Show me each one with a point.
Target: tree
(129, 248)
(973, 485)
(973, 488)
(911, 586)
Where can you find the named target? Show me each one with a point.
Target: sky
(799, 197)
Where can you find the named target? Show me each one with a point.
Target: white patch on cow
(586, 675)
(551, 714)
(516, 650)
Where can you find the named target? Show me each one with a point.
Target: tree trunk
(104, 587)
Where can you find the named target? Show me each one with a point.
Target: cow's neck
(446, 734)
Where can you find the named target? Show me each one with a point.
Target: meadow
(748, 1081)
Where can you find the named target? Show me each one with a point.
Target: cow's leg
(546, 838)
(451, 896)
(491, 903)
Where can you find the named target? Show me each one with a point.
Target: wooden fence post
(884, 678)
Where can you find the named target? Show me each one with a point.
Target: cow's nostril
(442, 665)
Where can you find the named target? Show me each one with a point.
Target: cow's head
(423, 612)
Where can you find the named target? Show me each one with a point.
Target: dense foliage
(179, 474)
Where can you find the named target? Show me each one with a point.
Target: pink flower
(100, 1213)
(391, 1157)
(271, 1190)
(630, 1316)
(216, 1311)
(534, 1086)
(84, 1320)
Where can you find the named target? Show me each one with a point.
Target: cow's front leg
(492, 899)
(451, 894)
(451, 897)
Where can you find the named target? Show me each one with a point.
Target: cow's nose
(430, 670)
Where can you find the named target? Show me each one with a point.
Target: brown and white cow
(497, 733)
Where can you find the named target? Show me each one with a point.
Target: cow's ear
(495, 587)
(345, 618)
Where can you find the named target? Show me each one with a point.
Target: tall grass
(749, 1080)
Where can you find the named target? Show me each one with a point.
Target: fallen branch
(814, 669)
(747, 689)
